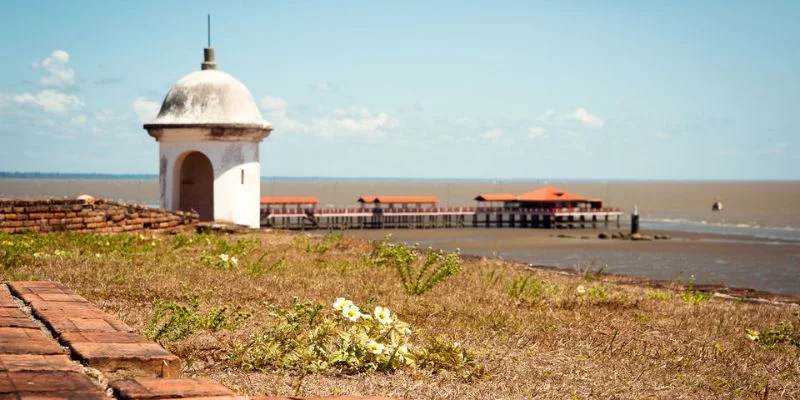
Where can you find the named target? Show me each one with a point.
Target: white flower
(407, 331)
(224, 257)
(234, 260)
(351, 312)
(341, 303)
(383, 315)
(581, 289)
(375, 347)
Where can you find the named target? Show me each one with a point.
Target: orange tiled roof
(289, 200)
(549, 193)
(399, 199)
(496, 197)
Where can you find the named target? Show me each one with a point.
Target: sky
(639, 89)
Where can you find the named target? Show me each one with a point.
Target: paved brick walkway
(34, 365)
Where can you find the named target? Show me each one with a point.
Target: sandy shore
(735, 261)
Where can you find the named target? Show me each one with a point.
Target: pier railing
(431, 210)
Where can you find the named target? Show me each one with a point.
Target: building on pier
(403, 202)
(544, 198)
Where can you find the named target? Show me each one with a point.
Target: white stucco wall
(233, 201)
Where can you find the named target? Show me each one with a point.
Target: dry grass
(557, 344)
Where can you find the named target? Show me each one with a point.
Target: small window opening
(242, 176)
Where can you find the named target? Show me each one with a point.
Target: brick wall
(87, 215)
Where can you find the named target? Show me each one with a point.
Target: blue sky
(494, 89)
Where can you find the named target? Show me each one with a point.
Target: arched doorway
(196, 185)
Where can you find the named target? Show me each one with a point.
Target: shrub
(308, 338)
(418, 273)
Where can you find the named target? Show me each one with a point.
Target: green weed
(787, 333)
(526, 287)
(419, 273)
(692, 296)
(171, 322)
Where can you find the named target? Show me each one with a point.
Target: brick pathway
(34, 365)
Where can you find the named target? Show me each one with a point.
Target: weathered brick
(30, 222)
(68, 338)
(74, 226)
(58, 395)
(153, 388)
(40, 215)
(27, 341)
(90, 220)
(6, 300)
(20, 287)
(8, 217)
(45, 381)
(55, 221)
(11, 322)
(11, 312)
(142, 359)
(36, 362)
(103, 324)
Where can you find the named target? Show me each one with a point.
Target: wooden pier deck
(437, 217)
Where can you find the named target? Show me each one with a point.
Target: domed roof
(209, 98)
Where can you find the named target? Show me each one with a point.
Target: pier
(422, 212)
(436, 217)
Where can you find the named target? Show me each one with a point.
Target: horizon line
(101, 175)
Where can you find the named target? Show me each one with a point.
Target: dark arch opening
(197, 185)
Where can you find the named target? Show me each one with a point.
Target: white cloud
(663, 136)
(579, 116)
(538, 132)
(80, 120)
(145, 109)
(275, 110)
(586, 119)
(492, 135)
(50, 101)
(352, 122)
(323, 87)
(274, 104)
(546, 117)
(58, 73)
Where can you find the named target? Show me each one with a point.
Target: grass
(603, 341)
